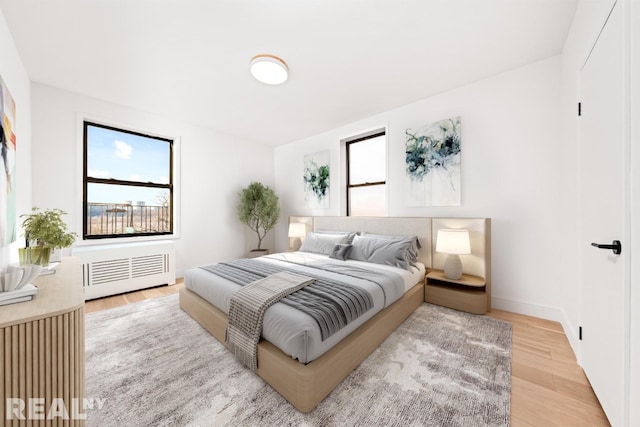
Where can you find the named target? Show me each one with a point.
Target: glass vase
(34, 255)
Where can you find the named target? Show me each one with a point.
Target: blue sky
(121, 155)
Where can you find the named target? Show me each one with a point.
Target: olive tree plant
(259, 209)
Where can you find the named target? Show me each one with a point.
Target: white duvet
(292, 331)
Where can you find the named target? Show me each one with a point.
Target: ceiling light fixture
(269, 69)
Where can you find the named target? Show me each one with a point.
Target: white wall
(516, 169)
(634, 395)
(17, 81)
(214, 167)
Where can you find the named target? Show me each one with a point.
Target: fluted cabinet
(42, 353)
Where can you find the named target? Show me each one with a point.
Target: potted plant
(259, 209)
(44, 231)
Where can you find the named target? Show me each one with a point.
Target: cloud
(135, 177)
(164, 180)
(123, 150)
(96, 173)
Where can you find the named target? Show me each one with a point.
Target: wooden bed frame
(304, 386)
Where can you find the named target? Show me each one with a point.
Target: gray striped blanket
(331, 303)
(247, 308)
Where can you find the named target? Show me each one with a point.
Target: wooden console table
(42, 351)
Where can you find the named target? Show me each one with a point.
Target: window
(366, 175)
(128, 183)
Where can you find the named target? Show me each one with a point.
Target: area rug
(150, 364)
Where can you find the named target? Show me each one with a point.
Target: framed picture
(8, 217)
(433, 164)
(317, 180)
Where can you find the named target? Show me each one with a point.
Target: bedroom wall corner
(17, 80)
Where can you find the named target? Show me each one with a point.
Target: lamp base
(297, 242)
(453, 267)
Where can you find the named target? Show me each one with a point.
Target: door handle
(616, 246)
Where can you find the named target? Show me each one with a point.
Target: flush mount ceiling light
(269, 69)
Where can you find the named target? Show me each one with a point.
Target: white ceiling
(348, 59)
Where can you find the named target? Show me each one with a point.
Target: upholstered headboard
(399, 226)
(478, 263)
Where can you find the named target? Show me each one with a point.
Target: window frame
(86, 180)
(355, 140)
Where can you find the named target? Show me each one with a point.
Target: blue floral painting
(316, 180)
(433, 164)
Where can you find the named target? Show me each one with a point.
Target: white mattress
(294, 332)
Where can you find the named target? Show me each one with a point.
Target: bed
(302, 366)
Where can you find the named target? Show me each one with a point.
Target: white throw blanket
(247, 308)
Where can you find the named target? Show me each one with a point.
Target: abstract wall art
(433, 164)
(8, 217)
(316, 180)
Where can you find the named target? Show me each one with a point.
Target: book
(17, 299)
(26, 290)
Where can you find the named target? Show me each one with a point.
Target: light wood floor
(548, 387)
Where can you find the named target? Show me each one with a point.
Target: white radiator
(114, 269)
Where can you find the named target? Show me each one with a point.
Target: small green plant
(47, 228)
(259, 209)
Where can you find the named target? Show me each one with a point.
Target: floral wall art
(316, 180)
(433, 164)
(8, 217)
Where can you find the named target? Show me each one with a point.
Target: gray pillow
(351, 234)
(382, 251)
(413, 252)
(340, 251)
(322, 243)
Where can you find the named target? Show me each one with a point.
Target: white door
(602, 143)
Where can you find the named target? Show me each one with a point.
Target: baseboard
(544, 312)
(572, 335)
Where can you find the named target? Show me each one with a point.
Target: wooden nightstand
(469, 293)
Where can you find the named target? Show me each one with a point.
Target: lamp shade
(269, 69)
(297, 229)
(453, 241)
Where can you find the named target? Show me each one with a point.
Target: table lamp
(453, 242)
(296, 231)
